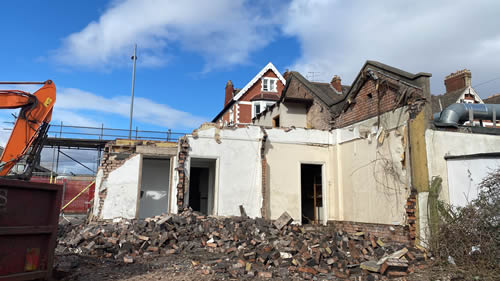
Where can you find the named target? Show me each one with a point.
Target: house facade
(241, 105)
(304, 104)
(370, 170)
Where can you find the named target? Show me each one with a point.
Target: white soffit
(269, 66)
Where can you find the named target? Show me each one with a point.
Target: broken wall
(371, 174)
(117, 189)
(285, 151)
(118, 180)
(238, 168)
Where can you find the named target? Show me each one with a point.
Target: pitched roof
(495, 99)
(450, 98)
(446, 100)
(254, 80)
(323, 91)
(240, 92)
(407, 78)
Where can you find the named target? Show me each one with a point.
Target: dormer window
(269, 84)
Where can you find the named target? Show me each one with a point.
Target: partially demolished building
(361, 159)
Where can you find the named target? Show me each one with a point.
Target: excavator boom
(31, 124)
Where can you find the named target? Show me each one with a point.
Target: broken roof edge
(395, 70)
(382, 67)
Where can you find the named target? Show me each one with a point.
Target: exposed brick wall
(318, 117)
(183, 182)
(109, 162)
(411, 209)
(400, 233)
(370, 102)
(265, 199)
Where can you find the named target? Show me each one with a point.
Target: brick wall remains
(388, 233)
(405, 234)
(183, 182)
(373, 100)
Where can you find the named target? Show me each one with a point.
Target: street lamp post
(134, 58)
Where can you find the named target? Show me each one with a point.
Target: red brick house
(241, 105)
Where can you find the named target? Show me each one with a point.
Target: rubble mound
(241, 246)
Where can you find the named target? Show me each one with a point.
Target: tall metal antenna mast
(134, 58)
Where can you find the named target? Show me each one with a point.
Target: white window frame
(263, 105)
(268, 80)
(231, 116)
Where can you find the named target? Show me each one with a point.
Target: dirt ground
(181, 268)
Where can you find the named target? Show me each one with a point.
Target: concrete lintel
(156, 151)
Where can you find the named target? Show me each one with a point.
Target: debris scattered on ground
(237, 247)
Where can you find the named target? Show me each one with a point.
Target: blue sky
(189, 49)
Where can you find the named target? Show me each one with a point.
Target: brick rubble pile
(243, 247)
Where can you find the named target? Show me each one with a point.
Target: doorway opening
(311, 193)
(155, 182)
(201, 185)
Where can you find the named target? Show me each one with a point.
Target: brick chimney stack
(336, 83)
(229, 92)
(286, 74)
(457, 80)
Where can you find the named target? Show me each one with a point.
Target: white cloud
(75, 107)
(440, 37)
(225, 32)
(70, 101)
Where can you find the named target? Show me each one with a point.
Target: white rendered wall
(443, 143)
(122, 186)
(238, 172)
(464, 176)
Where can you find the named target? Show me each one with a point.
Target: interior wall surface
(446, 143)
(293, 114)
(285, 152)
(238, 170)
(374, 184)
(465, 175)
(122, 186)
(290, 114)
(372, 175)
(154, 191)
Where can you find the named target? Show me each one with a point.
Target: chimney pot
(336, 83)
(458, 80)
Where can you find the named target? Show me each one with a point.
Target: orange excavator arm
(31, 124)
